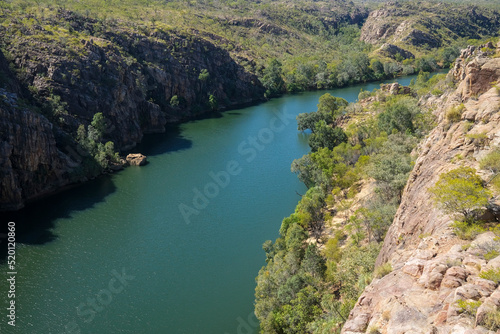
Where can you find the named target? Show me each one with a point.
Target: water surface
(142, 251)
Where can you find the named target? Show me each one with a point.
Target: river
(171, 247)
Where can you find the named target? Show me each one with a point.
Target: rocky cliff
(432, 268)
(62, 69)
(417, 24)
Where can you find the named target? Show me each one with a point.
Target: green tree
(460, 192)
(331, 105)
(273, 79)
(399, 115)
(326, 136)
(99, 123)
(204, 75)
(212, 102)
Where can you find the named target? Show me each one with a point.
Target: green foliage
(492, 275)
(174, 101)
(478, 139)
(272, 79)
(349, 272)
(382, 270)
(466, 230)
(212, 102)
(99, 124)
(491, 161)
(100, 155)
(461, 192)
(468, 306)
(326, 136)
(399, 116)
(392, 165)
(455, 113)
(491, 254)
(204, 75)
(329, 109)
(491, 320)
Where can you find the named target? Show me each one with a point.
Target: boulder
(136, 159)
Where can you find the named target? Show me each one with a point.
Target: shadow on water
(35, 222)
(159, 143)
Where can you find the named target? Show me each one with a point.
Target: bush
(491, 255)
(174, 101)
(461, 192)
(491, 161)
(382, 270)
(468, 307)
(492, 275)
(478, 139)
(467, 231)
(455, 114)
(492, 320)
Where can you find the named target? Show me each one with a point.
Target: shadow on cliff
(35, 223)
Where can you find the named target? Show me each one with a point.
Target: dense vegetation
(291, 46)
(327, 248)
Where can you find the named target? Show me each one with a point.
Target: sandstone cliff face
(431, 269)
(72, 67)
(129, 76)
(31, 164)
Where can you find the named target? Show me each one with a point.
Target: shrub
(436, 92)
(491, 255)
(492, 320)
(492, 275)
(174, 101)
(461, 192)
(478, 139)
(466, 231)
(382, 270)
(468, 307)
(491, 161)
(455, 114)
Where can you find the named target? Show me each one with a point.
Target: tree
(272, 79)
(391, 68)
(212, 101)
(99, 123)
(307, 120)
(331, 106)
(204, 75)
(326, 136)
(399, 116)
(460, 192)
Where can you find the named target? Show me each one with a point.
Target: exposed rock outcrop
(136, 159)
(392, 51)
(139, 79)
(432, 268)
(426, 23)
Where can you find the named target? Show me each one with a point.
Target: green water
(183, 274)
